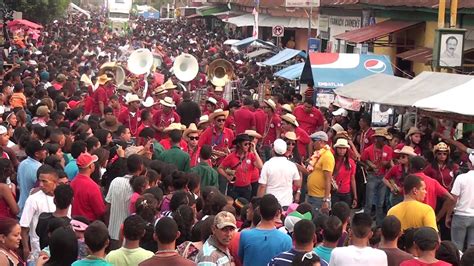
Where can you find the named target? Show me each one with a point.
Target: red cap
(73, 104)
(86, 159)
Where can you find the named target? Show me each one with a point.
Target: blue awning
(249, 41)
(291, 73)
(283, 56)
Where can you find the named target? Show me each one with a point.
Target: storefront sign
(347, 22)
(302, 3)
(323, 23)
(314, 45)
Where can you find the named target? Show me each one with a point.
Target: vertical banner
(255, 23)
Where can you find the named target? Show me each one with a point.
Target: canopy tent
(283, 56)
(258, 52)
(18, 23)
(423, 86)
(231, 41)
(333, 70)
(291, 73)
(252, 41)
(265, 20)
(80, 10)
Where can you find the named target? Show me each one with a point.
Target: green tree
(42, 11)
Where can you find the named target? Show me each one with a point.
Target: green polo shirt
(209, 176)
(177, 157)
(157, 149)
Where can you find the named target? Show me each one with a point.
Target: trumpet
(216, 155)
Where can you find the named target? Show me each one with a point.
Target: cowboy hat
(287, 107)
(406, 150)
(382, 132)
(291, 136)
(441, 147)
(290, 119)
(342, 143)
(175, 126)
(342, 134)
(217, 113)
(191, 129)
(132, 98)
(253, 133)
(168, 101)
(103, 79)
(169, 85)
(412, 131)
(203, 119)
(270, 104)
(149, 102)
(241, 138)
(124, 87)
(211, 100)
(338, 128)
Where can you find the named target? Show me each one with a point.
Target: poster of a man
(451, 50)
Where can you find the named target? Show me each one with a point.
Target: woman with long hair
(412, 139)
(396, 175)
(442, 168)
(8, 206)
(344, 174)
(10, 237)
(291, 153)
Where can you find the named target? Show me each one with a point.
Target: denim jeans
(316, 203)
(462, 226)
(237, 192)
(375, 195)
(346, 197)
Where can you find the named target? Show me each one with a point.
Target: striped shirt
(118, 197)
(211, 255)
(285, 258)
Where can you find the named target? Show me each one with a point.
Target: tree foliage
(42, 11)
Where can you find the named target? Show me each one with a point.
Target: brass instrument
(217, 155)
(394, 185)
(114, 70)
(220, 72)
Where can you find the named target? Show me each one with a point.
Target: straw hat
(253, 133)
(103, 79)
(441, 147)
(382, 132)
(270, 103)
(203, 119)
(168, 101)
(413, 130)
(342, 143)
(290, 119)
(211, 100)
(217, 113)
(191, 129)
(287, 108)
(408, 150)
(338, 128)
(291, 136)
(159, 90)
(132, 98)
(169, 85)
(175, 126)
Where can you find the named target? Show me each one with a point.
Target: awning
(423, 86)
(377, 31)
(24, 22)
(250, 41)
(419, 55)
(211, 10)
(227, 14)
(258, 52)
(265, 20)
(369, 89)
(283, 56)
(333, 70)
(291, 73)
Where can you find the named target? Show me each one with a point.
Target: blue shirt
(26, 179)
(71, 169)
(95, 262)
(323, 252)
(257, 247)
(285, 258)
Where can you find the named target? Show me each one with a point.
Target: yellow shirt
(414, 214)
(316, 180)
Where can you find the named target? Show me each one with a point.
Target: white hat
(338, 128)
(3, 130)
(342, 143)
(168, 101)
(203, 119)
(149, 102)
(132, 98)
(212, 100)
(279, 146)
(341, 112)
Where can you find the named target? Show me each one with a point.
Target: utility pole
(310, 19)
(441, 13)
(454, 14)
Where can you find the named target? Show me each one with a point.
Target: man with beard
(215, 250)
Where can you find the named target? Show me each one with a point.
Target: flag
(255, 23)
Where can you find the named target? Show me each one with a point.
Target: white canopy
(78, 9)
(457, 100)
(265, 20)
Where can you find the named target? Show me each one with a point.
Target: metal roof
(419, 55)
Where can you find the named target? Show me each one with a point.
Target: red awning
(377, 31)
(418, 55)
(24, 22)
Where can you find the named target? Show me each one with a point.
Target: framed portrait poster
(448, 48)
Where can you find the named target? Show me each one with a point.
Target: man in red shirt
(309, 117)
(289, 124)
(378, 159)
(260, 117)
(88, 201)
(131, 117)
(244, 117)
(366, 132)
(218, 95)
(272, 127)
(165, 116)
(100, 96)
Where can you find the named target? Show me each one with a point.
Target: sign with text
(302, 3)
(278, 31)
(314, 44)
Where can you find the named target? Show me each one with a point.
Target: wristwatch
(327, 200)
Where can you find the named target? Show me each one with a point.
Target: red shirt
(303, 141)
(260, 119)
(416, 262)
(244, 119)
(271, 125)
(396, 174)
(164, 120)
(132, 121)
(444, 176)
(377, 156)
(99, 95)
(344, 174)
(365, 139)
(222, 104)
(244, 169)
(310, 122)
(220, 141)
(195, 159)
(230, 122)
(433, 190)
(88, 201)
(166, 143)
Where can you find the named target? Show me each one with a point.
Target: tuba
(115, 70)
(220, 72)
(185, 67)
(140, 62)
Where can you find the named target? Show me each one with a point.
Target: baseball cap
(295, 217)
(320, 135)
(279, 146)
(341, 112)
(3, 130)
(224, 219)
(86, 159)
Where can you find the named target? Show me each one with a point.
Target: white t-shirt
(118, 196)
(278, 174)
(463, 187)
(355, 256)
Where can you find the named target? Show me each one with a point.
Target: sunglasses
(193, 138)
(220, 120)
(442, 153)
(290, 143)
(403, 156)
(246, 144)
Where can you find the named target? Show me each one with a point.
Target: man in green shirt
(148, 134)
(175, 155)
(209, 176)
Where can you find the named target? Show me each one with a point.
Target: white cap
(279, 146)
(341, 112)
(212, 100)
(3, 130)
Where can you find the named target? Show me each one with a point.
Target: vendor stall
(283, 56)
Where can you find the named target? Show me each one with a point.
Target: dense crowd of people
(98, 173)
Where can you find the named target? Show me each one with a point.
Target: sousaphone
(185, 67)
(220, 72)
(115, 70)
(140, 61)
